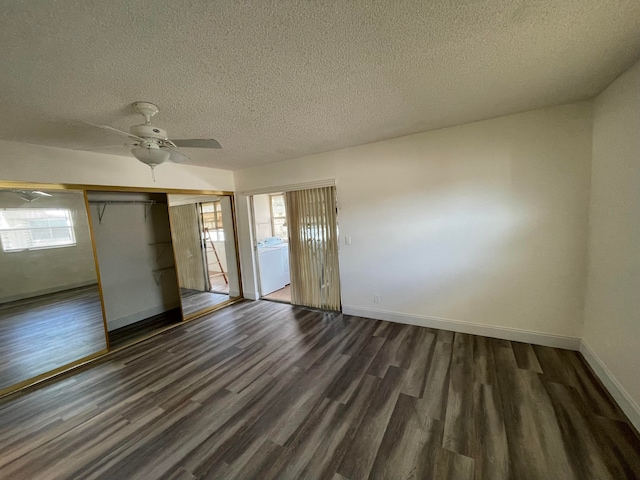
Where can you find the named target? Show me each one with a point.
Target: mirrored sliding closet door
(204, 244)
(50, 308)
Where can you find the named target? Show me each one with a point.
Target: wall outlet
(376, 298)
(347, 240)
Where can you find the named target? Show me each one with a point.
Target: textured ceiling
(273, 80)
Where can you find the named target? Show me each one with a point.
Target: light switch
(347, 240)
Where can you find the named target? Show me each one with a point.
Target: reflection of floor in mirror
(143, 328)
(282, 295)
(218, 283)
(195, 301)
(45, 332)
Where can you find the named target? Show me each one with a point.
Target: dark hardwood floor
(144, 328)
(43, 333)
(194, 301)
(265, 390)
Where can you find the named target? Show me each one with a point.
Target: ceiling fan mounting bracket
(146, 109)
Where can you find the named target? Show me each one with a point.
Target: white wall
(612, 313)
(35, 163)
(28, 273)
(483, 225)
(129, 254)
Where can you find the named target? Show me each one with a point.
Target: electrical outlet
(376, 298)
(347, 240)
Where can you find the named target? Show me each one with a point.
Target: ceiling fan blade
(108, 147)
(197, 143)
(30, 195)
(115, 130)
(176, 156)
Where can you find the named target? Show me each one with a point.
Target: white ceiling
(273, 80)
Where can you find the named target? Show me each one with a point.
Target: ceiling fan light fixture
(152, 155)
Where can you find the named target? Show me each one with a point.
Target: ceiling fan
(31, 195)
(152, 145)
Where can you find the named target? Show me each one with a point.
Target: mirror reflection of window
(35, 228)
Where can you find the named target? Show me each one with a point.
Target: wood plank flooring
(282, 295)
(194, 301)
(264, 390)
(218, 283)
(143, 328)
(43, 333)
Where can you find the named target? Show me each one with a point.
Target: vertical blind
(313, 247)
(187, 247)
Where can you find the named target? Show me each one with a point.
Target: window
(212, 220)
(35, 228)
(278, 217)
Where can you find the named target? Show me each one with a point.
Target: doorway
(307, 246)
(272, 247)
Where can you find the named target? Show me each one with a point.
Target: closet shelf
(102, 206)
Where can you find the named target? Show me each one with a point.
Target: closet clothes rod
(103, 203)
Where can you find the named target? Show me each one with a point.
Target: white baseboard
(505, 333)
(617, 391)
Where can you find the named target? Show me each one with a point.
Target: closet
(135, 257)
(86, 270)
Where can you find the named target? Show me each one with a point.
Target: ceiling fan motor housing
(148, 131)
